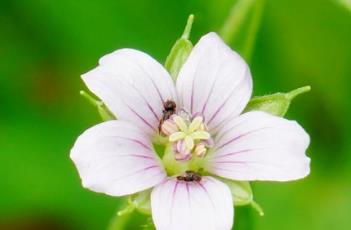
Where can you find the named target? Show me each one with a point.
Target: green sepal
(180, 51)
(241, 191)
(276, 104)
(141, 201)
(242, 194)
(257, 207)
(127, 210)
(104, 112)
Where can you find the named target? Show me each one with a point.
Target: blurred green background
(46, 45)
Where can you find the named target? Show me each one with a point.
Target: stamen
(200, 150)
(181, 152)
(188, 136)
(169, 127)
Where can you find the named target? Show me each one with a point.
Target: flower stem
(253, 29)
(236, 18)
(119, 222)
(239, 14)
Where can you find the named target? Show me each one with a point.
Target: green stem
(119, 222)
(253, 29)
(239, 14)
(236, 18)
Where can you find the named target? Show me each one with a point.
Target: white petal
(215, 81)
(205, 205)
(116, 158)
(133, 86)
(260, 146)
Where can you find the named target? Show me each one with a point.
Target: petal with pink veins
(116, 158)
(214, 81)
(205, 205)
(260, 146)
(133, 85)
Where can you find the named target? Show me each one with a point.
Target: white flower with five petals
(213, 87)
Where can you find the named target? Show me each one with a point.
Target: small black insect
(190, 176)
(169, 108)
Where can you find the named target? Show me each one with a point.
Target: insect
(190, 176)
(169, 108)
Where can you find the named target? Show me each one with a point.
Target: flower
(204, 132)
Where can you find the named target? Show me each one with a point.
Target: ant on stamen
(169, 108)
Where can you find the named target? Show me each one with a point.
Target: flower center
(189, 137)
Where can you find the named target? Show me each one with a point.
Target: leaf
(276, 104)
(105, 114)
(180, 51)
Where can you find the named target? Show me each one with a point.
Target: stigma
(189, 137)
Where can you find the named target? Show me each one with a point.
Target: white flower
(206, 129)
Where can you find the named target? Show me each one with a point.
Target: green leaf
(180, 51)
(241, 191)
(105, 114)
(276, 104)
